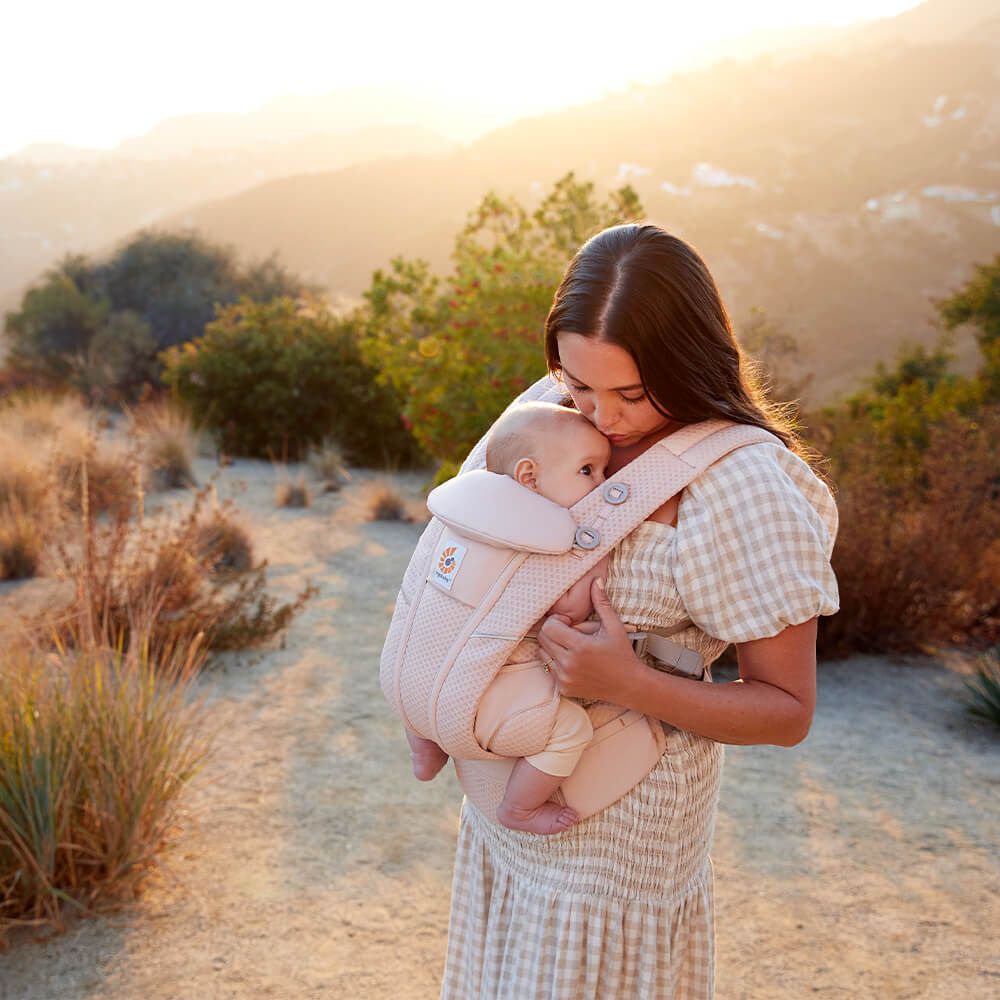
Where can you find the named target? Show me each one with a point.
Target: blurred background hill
(839, 178)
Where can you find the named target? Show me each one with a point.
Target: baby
(558, 453)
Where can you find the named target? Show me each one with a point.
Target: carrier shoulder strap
(603, 518)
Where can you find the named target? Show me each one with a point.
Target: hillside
(839, 191)
(56, 200)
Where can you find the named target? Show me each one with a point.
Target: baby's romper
(621, 905)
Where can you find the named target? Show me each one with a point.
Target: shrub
(95, 748)
(983, 690)
(223, 544)
(129, 569)
(276, 378)
(915, 556)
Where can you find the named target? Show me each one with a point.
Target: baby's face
(573, 462)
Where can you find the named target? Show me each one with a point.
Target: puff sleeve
(755, 535)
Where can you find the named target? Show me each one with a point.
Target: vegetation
(273, 379)
(95, 747)
(915, 458)
(386, 504)
(168, 443)
(99, 325)
(458, 348)
(984, 689)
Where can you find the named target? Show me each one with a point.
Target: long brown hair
(640, 288)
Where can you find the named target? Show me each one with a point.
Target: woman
(620, 906)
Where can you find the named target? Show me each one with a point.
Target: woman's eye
(634, 399)
(577, 388)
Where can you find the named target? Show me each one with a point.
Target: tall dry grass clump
(918, 557)
(169, 443)
(328, 464)
(26, 509)
(96, 744)
(166, 568)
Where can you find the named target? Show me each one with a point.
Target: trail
(309, 864)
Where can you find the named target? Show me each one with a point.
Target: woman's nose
(604, 416)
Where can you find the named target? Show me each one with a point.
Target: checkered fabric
(620, 906)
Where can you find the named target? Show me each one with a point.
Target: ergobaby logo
(449, 561)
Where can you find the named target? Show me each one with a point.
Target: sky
(94, 73)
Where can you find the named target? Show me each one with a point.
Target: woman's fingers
(556, 635)
(603, 607)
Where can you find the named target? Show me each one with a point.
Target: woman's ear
(526, 473)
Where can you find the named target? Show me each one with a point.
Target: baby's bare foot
(548, 818)
(428, 761)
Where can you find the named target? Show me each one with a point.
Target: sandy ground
(309, 864)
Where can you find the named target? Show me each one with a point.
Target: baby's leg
(428, 758)
(526, 804)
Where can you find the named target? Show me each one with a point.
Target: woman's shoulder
(763, 480)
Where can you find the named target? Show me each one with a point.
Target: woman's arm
(772, 702)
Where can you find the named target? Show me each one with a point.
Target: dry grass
(292, 493)
(169, 443)
(385, 503)
(95, 746)
(328, 465)
(34, 416)
(113, 478)
(225, 544)
(164, 570)
(24, 532)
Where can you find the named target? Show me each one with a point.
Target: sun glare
(129, 66)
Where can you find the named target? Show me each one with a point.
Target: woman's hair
(640, 288)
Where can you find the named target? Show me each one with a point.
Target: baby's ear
(526, 473)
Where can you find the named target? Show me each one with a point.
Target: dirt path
(310, 865)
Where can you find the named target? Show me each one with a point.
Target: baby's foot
(427, 761)
(549, 817)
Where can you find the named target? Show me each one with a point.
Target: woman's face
(604, 382)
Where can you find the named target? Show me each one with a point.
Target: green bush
(272, 379)
(457, 349)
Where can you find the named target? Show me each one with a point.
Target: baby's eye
(587, 469)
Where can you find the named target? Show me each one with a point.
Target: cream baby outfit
(620, 906)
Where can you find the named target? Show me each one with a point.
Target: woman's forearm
(740, 712)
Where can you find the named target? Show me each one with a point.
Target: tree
(52, 331)
(978, 302)
(457, 348)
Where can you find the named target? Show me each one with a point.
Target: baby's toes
(566, 818)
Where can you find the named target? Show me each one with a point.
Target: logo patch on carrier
(448, 563)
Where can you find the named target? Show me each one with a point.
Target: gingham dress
(621, 906)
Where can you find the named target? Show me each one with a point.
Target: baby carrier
(490, 563)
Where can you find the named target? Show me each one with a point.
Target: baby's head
(552, 450)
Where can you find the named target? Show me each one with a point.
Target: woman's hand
(594, 659)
